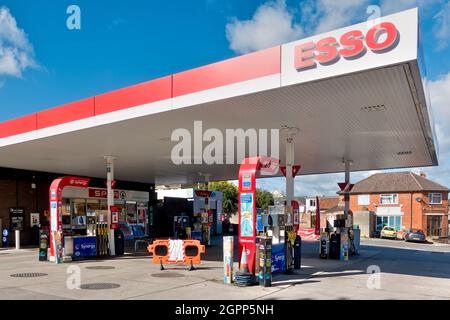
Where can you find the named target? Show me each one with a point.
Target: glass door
(434, 226)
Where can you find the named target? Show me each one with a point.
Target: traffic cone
(243, 266)
(244, 277)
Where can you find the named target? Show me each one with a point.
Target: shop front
(79, 222)
(81, 204)
(390, 217)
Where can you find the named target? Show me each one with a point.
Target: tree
(264, 199)
(230, 195)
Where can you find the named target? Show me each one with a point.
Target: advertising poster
(246, 214)
(53, 216)
(228, 259)
(278, 258)
(34, 219)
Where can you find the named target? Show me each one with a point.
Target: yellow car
(388, 232)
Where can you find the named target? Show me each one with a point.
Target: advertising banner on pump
(247, 215)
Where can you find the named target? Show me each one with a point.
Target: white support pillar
(347, 164)
(289, 167)
(17, 234)
(110, 199)
(290, 161)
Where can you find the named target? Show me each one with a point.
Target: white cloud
(16, 52)
(324, 15)
(271, 25)
(442, 26)
(392, 6)
(274, 23)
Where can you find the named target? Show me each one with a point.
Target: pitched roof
(396, 182)
(328, 202)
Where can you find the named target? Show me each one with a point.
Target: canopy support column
(110, 199)
(347, 164)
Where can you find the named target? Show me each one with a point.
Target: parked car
(388, 232)
(415, 235)
(401, 234)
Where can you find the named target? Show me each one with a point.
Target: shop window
(435, 198)
(390, 198)
(389, 221)
(131, 212)
(78, 213)
(363, 199)
(66, 213)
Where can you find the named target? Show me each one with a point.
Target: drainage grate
(29, 275)
(99, 286)
(167, 275)
(100, 267)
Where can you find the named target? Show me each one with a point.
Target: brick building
(308, 214)
(403, 200)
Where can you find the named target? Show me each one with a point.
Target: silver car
(415, 235)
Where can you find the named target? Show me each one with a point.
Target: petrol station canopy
(356, 93)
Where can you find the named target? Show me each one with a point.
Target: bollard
(43, 245)
(265, 262)
(228, 259)
(5, 234)
(298, 252)
(17, 233)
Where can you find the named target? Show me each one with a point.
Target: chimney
(423, 174)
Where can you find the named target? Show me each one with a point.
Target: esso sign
(351, 45)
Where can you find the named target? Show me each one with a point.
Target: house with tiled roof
(403, 200)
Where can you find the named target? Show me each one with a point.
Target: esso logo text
(351, 45)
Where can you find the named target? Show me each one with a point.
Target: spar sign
(384, 41)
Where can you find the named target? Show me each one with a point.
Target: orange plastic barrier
(176, 251)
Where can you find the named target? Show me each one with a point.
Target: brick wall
(18, 193)
(414, 212)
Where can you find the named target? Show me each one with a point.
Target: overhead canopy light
(378, 107)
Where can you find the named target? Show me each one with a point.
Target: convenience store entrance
(78, 204)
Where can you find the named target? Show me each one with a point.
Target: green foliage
(264, 199)
(230, 195)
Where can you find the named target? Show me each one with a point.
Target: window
(435, 198)
(390, 221)
(312, 203)
(434, 226)
(363, 199)
(390, 198)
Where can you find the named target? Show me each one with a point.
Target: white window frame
(365, 197)
(431, 195)
(392, 196)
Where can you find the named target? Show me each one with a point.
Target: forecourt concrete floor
(408, 271)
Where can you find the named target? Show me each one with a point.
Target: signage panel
(375, 43)
(84, 247)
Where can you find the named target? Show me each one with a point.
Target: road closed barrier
(176, 252)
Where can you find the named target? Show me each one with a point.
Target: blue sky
(126, 42)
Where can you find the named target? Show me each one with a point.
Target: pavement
(407, 271)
